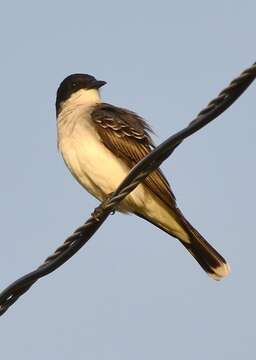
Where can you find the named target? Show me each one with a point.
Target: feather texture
(127, 135)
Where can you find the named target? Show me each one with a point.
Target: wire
(137, 174)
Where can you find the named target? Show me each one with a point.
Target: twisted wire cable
(137, 174)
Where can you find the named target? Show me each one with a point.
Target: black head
(73, 83)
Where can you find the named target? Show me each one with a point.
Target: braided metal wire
(151, 162)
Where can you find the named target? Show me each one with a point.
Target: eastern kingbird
(100, 143)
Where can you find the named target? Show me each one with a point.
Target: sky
(132, 292)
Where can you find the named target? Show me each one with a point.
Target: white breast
(96, 168)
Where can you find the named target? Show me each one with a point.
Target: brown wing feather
(126, 134)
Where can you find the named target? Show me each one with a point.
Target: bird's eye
(74, 84)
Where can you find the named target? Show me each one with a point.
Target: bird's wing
(127, 135)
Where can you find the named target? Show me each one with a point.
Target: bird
(100, 143)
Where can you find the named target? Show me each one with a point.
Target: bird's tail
(209, 259)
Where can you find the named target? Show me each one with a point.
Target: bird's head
(77, 84)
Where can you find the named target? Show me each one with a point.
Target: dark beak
(96, 84)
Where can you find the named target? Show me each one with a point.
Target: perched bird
(100, 143)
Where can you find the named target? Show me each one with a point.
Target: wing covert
(127, 135)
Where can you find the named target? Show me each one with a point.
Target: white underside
(92, 164)
(100, 172)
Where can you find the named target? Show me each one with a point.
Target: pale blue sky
(133, 292)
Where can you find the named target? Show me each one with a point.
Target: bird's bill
(96, 84)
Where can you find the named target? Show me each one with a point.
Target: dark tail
(209, 259)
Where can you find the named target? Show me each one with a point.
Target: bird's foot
(100, 210)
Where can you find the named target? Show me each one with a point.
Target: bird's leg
(99, 210)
